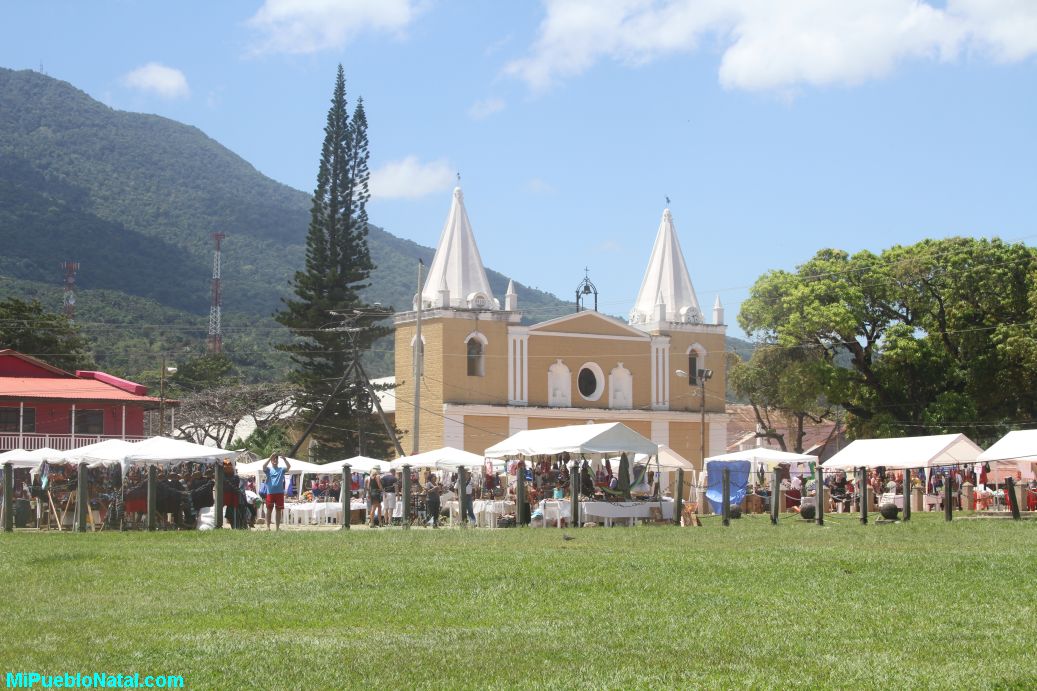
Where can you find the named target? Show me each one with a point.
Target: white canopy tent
(607, 439)
(357, 464)
(107, 452)
(166, 451)
(445, 458)
(766, 457)
(20, 458)
(906, 452)
(1014, 452)
(255, 468)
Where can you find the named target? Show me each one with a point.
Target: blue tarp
(739, 482)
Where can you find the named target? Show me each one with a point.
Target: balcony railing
(61, 442)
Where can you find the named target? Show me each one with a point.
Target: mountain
(134, 199)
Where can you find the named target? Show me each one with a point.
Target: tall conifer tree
(338, 266)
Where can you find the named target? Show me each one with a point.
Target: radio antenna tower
(70, 269)
(215, 328)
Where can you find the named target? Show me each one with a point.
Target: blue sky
(776, 128)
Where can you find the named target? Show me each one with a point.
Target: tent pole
(862, 493)
(345, 494)
(218, 488)
(948, 508)
(462, 494)
(520, 493)
(907, 494)
(819, 495)
(775, 495)
(8, 497)
(406, 496)
(574, 490)
(726, 497)
(1012, 497)
(152, 502)
(82, 497)
(678, 497)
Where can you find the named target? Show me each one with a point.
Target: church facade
(485, 375)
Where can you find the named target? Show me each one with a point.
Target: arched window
(696, 361)
(475, 346)
(559, 385)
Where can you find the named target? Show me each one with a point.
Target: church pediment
(588, 323)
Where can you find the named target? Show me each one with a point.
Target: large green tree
(28, 328)
(338, 266)
(923, 339)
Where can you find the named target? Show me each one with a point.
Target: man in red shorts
(274, 473)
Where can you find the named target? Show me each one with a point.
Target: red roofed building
(41, 405)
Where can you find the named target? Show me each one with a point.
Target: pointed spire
(718, 311)
(511, 298)
(457, 266)
(666, 281)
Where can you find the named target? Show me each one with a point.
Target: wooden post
(462, 495)
(775, 496)
(819, 495)
(406, 496)
(82, 497)
(218, 506)
(574, 490)
(862, 494)
(726, 497)
(8, 497)
(152, 523)
(907, 494)
(678, 497)
(346, 494)
(1012, 497)
(948, 507)
(520, 494)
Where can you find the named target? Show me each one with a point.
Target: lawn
(924, 604)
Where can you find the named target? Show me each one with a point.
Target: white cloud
(409, 179)
(485, 108)
(167, 82)
(310, 26)
(540, 186)
(775, 44)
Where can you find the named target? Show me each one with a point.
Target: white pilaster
(661, 432)
(517, 423)
(660, 358)
(453, 431)
(518, 365)
(716, 443)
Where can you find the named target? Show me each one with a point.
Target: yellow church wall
(458, 386)
(684, 396)
(545, 350)
(586, 323)
(431, 387)
(483, 431)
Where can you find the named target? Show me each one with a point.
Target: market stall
(577, 446)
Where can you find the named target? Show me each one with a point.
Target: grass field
(919, 605)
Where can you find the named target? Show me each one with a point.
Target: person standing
(274, 474)
(374, 497)
(432, 505)
(389, 494)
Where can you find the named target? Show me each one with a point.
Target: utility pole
(419, 361)
(704, 376)
(162, 399)
(360, 382)
(215, 309)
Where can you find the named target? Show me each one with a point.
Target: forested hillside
(134, 199)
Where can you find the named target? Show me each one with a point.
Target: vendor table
(320, 512)
(605, 511)
(486, 511)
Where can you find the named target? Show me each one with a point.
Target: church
(485, 375)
